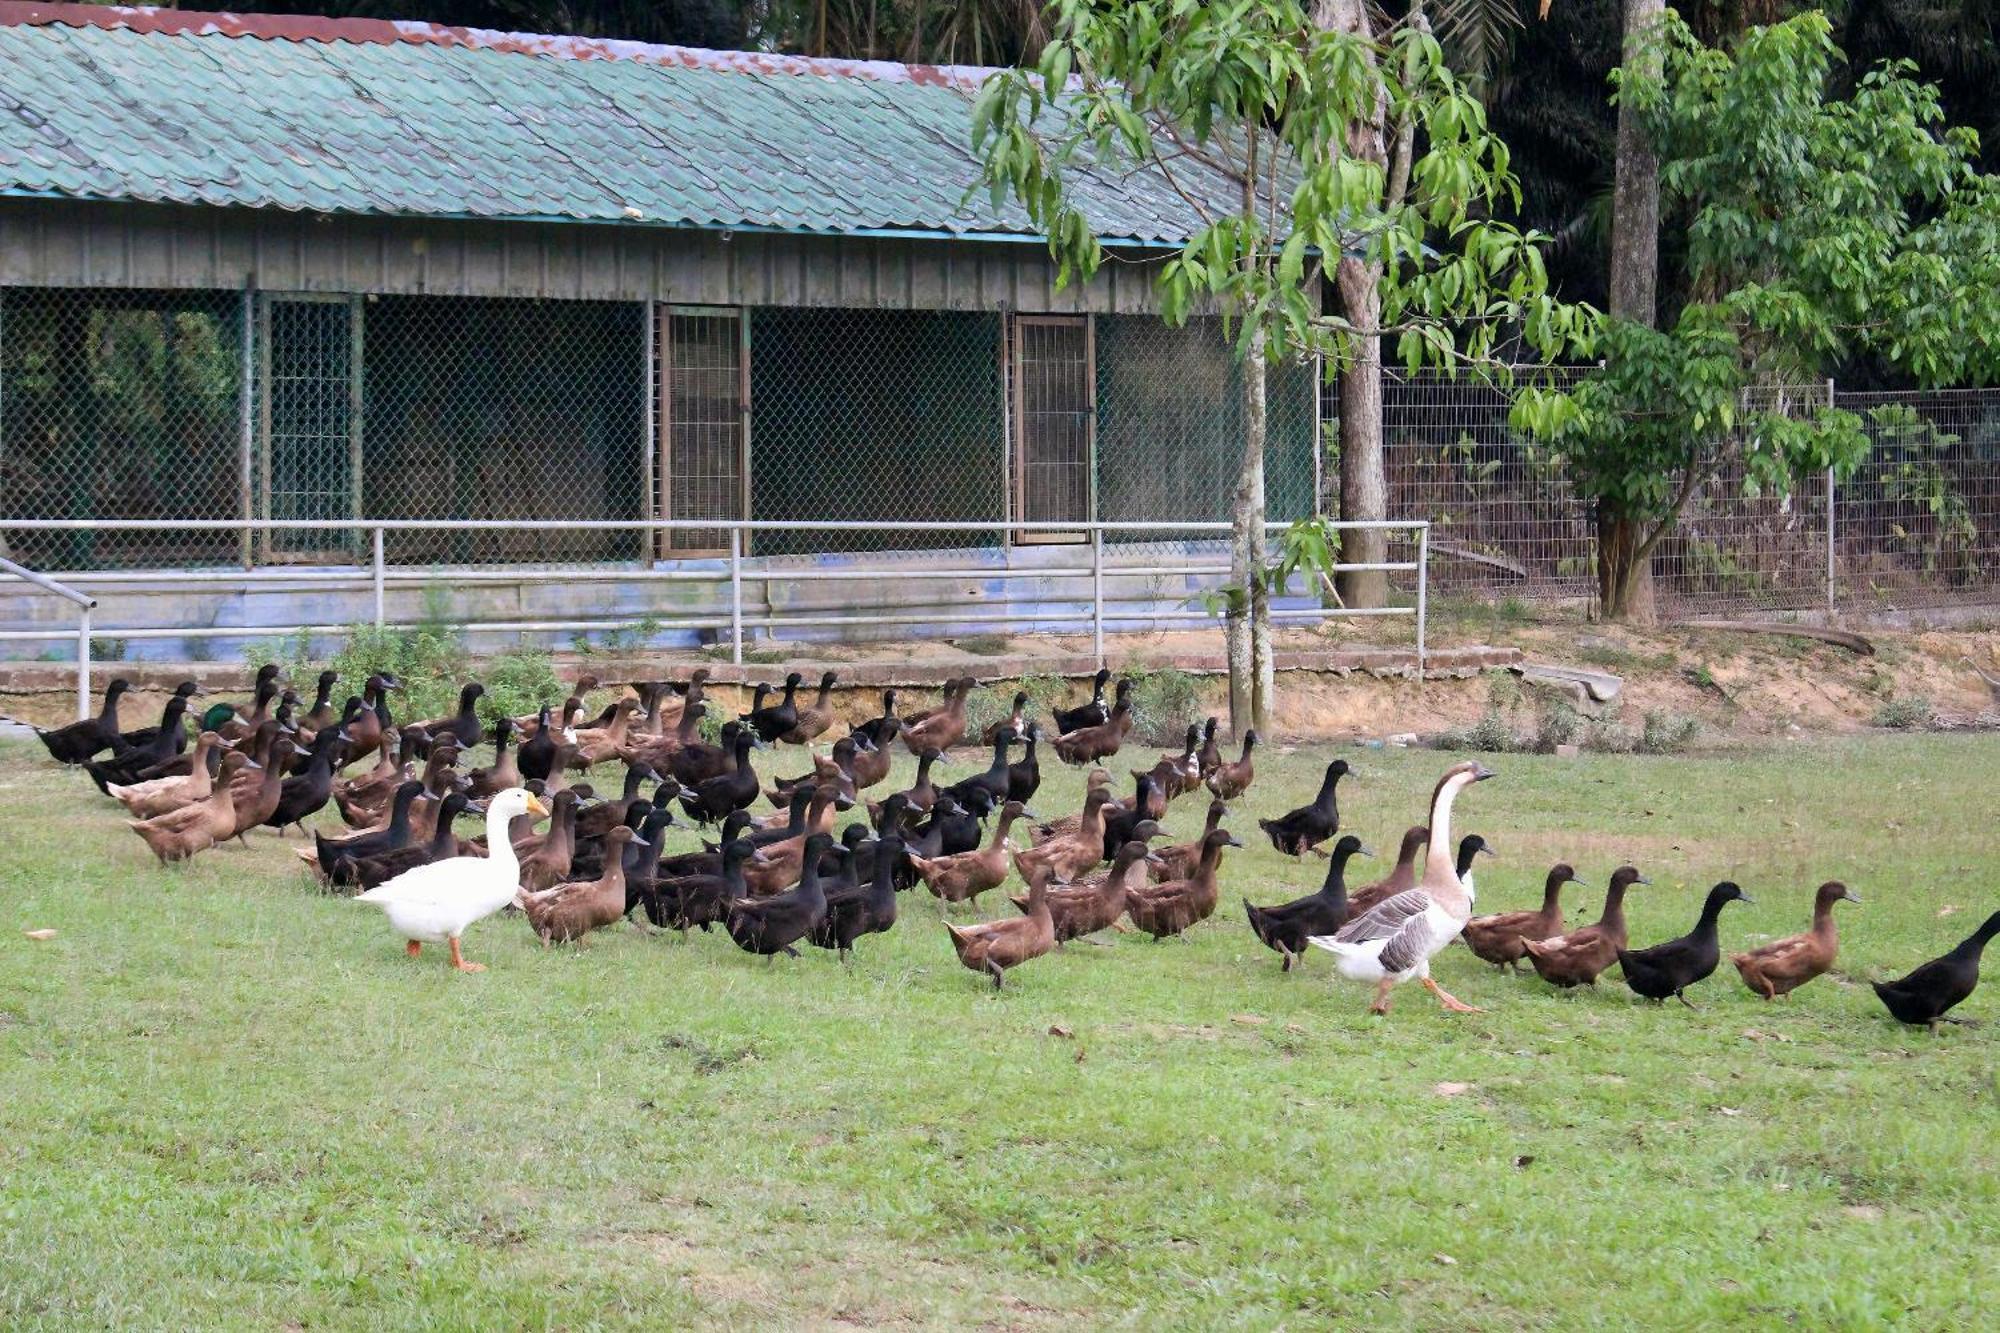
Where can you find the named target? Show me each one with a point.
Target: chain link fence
(171, 405)
(126, 404)
(1917, 524)
(120, 405)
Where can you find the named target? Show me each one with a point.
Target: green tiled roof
(406, 119)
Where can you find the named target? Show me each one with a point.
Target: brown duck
(1576, 958)
(993, 947)
(1502, 938)
(1402, 877)
(145, 800)
(595, 745)
(943, 728)
(1063, 826)
(1065, 857)
(964, 876)
(546, 862)
(1090, 744)
(815, 717)
(1782, 966)
(872, 758)
(1210, 757)
(179, 834)
(1180, 860)
(1229, 781)
(1170, 908)
(1096, 902)
(569, 911)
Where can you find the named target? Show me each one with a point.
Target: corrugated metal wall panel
(52, 243)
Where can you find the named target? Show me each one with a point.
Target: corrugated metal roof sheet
(370, 117)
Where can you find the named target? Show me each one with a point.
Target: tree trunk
(1364, 490)
(1251, 666)
(1635, 263)
(1624, 576)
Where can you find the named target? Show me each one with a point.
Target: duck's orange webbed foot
(1450, 1001)
(1382, 989)
(414, 948)
(458, 960)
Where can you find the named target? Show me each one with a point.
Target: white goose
(1396, 939)
(435, 903)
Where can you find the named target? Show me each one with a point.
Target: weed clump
(1912, 713)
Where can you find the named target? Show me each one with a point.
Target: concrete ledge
(28, 678)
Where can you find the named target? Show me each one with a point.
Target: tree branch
(1689, 480)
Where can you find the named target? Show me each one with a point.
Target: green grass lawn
(227, 1101)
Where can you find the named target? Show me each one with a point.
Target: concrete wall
(257, 602)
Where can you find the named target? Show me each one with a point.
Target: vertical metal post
(1423, 593)
(1829, 516)
(246, 427)
(376, 563)
(1097, 588)
(82, 663)
(357, 409)
(736, 596)
(649, 446)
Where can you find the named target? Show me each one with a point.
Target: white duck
(1396, 939)
(435, 903)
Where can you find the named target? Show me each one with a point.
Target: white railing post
(375, 559)
(736, 596)
(1829, 544)
(1097, 591)
(82, 662)
(1423, 593)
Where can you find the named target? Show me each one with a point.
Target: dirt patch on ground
(1353, 684)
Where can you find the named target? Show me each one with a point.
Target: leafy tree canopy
(1256, 90)
(1817, 228)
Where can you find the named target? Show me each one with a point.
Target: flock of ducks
(573, 861)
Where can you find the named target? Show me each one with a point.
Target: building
(263, 269)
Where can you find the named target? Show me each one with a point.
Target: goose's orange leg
(458, 959)
(1450, 1001)
(1382, 989)
(414, 948)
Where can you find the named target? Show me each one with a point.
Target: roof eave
(655, 224)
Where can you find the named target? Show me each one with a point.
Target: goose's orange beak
(535, 806)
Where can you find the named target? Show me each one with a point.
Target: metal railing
(84, 604)
(731, 570)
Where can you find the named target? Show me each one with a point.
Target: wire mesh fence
(1917, 524)
(280, 406)
(118, 404)
(123, 403)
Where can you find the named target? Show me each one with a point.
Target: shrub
(431, 662)
(1909, 714)
(985, 706)
(1164, 703)
(1559, 724)
(1490, 735)
(1668, 733)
